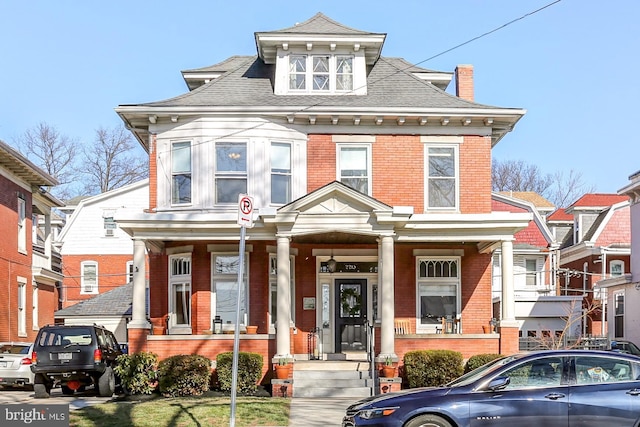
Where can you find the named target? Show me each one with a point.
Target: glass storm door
(351, 315)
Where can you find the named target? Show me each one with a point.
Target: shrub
(432, 368)
(478, 360)
(249, 371)
(138, 372)
(184, 375)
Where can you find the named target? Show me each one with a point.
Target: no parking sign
(245, 211)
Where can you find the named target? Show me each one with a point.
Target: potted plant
(283, 369)
(388, 370)
(252, 329)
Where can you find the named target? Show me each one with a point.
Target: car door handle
(634, 392)
(554, 396)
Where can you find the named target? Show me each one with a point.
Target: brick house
(372, 195)
(597, 247)
(29, 278)
(622, 290)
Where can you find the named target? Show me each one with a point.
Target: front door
(351, 315)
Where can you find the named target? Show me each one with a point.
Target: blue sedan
(556, 388)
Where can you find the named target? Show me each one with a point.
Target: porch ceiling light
(331, 265)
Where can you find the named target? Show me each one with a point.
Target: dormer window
(320, 73)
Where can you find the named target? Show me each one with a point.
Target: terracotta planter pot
(388, 371)
(486, 329)
(158, 330)
(283, 371)
(252, 329)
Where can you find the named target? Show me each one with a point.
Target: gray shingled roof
(116, 302)
(320, 24)
(250, 84)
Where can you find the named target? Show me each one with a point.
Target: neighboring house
(29, 282)
(372, 204)
(111, 309)
(560, 224)
(623, 291)
(97, 256)
(598, 247)
(539, 308)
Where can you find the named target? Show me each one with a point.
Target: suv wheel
(107, 383)
(41, 387)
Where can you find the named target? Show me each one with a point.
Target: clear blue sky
(573, 66)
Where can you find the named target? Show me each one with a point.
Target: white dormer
(320, 57)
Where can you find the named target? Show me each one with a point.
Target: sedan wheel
(428, 421)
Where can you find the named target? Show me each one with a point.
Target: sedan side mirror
(498, 383)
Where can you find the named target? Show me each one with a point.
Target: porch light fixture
(331, 265)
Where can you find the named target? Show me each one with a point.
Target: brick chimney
(464, 82)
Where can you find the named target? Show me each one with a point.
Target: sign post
(245, 219)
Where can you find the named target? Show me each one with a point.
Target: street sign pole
(245, 219)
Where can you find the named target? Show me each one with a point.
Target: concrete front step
(332, 379)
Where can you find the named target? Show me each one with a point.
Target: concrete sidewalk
(318, 411)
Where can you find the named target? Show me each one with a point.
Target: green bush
(478, 360)
(184, 375)
(432, 368)
(249, 371)
(138, 372)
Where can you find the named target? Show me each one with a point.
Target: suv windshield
(64, 337)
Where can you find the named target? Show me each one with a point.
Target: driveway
(77, 401)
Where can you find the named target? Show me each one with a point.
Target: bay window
(231, 171)
(280, 173)
(181, 172)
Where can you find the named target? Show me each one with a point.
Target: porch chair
(402, 327)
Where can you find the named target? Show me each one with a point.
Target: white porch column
(283, 320)
(138, 312)
(387, 309)
(508, 297)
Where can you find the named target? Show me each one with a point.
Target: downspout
(584, 294)
(603, 291)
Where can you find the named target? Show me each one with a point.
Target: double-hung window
(320, 73)
(531, 271)
(180, 290)
(438, 290)
(231, 171)
(616, 268)
(280, 173)
(89, 280)
(441, 177)
(22, 224)
(354, 167)
(618, 300)
(181, 173)
(225, 268)
(22, 307)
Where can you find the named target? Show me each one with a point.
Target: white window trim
(82, 284)
(271, 173)
(34, 313)
(615, 315)
(129, 271)
(425, 329)
(172, 173)
(245, 278)
(613, 263)
(22, 306)
(273, 282)
(332, 73)
(368, 147)
(182, 279)
(231, 174)
(442, 142)
(22, 224)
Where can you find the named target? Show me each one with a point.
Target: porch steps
(332, 378)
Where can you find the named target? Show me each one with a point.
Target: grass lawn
(185, 411)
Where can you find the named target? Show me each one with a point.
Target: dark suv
(74, 356)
